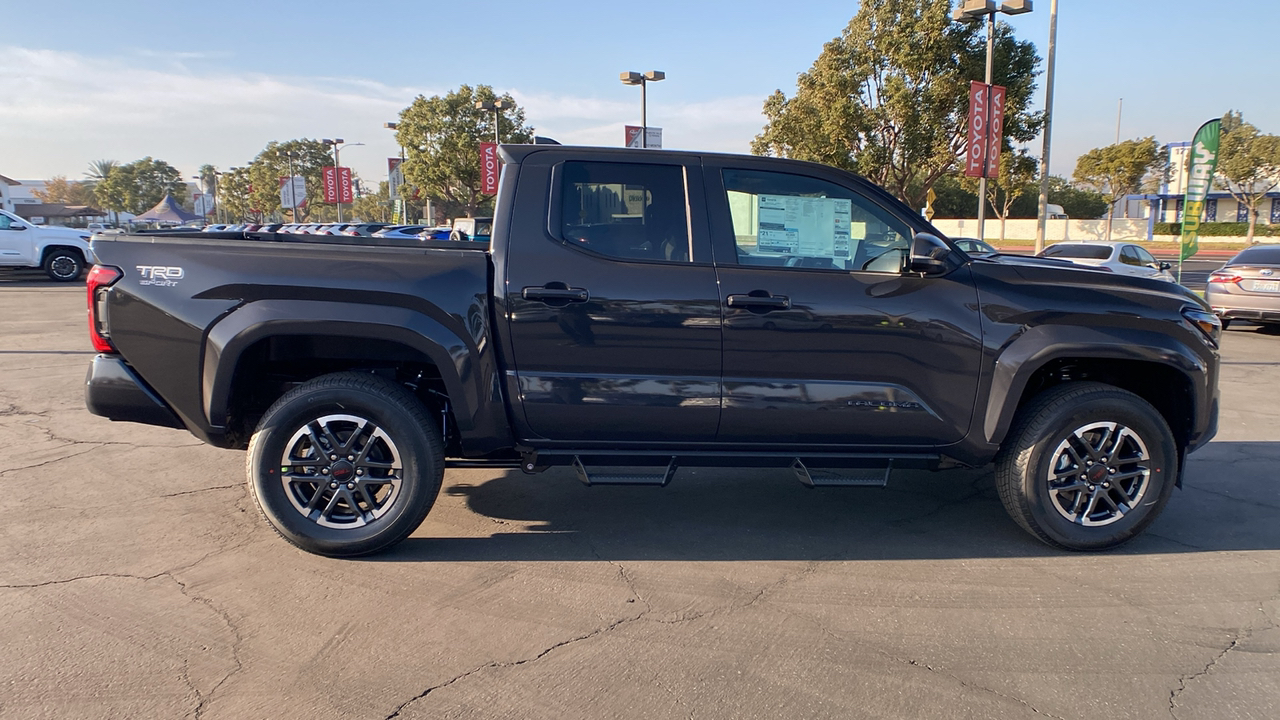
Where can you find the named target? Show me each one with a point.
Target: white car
(1121, 258)
(61, 252)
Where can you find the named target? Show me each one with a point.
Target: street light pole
(1042, 220)
(497, 106)
(643, 80)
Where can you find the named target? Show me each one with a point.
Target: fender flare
(1040, 345)
(454, 354)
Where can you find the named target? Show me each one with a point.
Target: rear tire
(63, 264)
(345, 465)
(1087, 466)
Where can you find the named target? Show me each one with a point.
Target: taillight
(1223, 276)
(100, 278)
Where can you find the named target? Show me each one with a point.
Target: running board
(589, 479)
(843, 477)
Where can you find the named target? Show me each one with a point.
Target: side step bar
(661, 480)
(845, 477)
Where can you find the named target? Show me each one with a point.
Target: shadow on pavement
(727, 515)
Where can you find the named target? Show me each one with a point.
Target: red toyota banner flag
(995, 130)
(344, 185)
(490, 167)
(329, 179)
(392, 164)
(976, 158)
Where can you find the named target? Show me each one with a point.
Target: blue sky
(195, 83)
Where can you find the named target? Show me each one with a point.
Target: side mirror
(1165, 266)
(928, 254)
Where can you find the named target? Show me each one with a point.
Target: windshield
(1083, 252)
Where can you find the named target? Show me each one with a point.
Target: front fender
(1043, 344)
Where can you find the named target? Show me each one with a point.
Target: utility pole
(1043, 219)
(982, 182)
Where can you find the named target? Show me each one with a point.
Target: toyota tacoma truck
(60, 252)
(637, 312)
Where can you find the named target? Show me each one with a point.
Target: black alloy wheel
(63, 264)
(345, 465)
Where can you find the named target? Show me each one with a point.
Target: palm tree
(99, 169)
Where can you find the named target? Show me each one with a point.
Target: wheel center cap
(342, 471)
(1096, 474)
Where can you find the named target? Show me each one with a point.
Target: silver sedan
(1247, 287)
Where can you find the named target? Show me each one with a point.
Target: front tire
(63, 264)
(345, 465)
(1087, 466)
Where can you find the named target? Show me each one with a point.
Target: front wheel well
(273, 366)
(49, 250)
(1167, 389)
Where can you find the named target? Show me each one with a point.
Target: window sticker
(803, 226)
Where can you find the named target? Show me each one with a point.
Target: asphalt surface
(137, 580)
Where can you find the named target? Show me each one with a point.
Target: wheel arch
(1153, 366)
(53, 245)
(253, 354)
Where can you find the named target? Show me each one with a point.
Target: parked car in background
(974, 246)
(400, 231)
(440, 232)
(1247, 287)
(1121, 258)
(474, 229)
(362, 229)
(60, 252)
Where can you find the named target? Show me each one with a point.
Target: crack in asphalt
(1184, 681)
(237, 637)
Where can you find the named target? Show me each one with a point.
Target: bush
(1221, 229)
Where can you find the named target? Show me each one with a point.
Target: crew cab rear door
(611, 301)
(827, 340)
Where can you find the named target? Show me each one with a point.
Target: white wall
(1055, 230)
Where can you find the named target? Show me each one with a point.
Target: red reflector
(100, 278)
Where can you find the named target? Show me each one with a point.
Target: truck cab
(60, 252)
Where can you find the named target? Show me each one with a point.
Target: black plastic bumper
(113, 391)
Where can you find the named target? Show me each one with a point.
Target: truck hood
(47, 230)
(1055, 273)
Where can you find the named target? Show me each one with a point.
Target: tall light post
(975, 10)
(643, 80)
(290, 156)
(497, 106)
(226, 215)
(1042, 220)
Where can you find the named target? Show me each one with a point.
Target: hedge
(1221, 229)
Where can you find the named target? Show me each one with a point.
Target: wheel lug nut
(351, 458)
(333, 457)
(359, 473)
(324, 471)
(351, 486)
(333, 486)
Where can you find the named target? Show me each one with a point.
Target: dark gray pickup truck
(639, 311)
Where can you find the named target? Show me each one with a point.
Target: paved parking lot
(136, 580)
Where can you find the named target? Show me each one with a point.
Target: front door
(15, 241)
(613, 311)
(827, 339)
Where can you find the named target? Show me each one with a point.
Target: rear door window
(629, 211)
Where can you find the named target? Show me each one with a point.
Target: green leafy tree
(1018, 171)
(309, 159)
(442, 137)
(139, 185)
(373, 207)
(233, 192)
(1248, 164)
(66, 192)
(1117, 171)
(889, 98)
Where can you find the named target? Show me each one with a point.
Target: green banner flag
(1203, 161)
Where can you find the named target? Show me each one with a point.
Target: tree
(233, 191)
(1118, 171)
(373, 207)
(442, 137)
(1017, 172)
(60, 190)
(889, 98)
(1248, 164)
(309, 157)
(100, 169)
(139, 185)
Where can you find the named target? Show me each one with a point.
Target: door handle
(769, 302)
(555, 293)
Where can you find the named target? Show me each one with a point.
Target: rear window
(1083, 252)
(1257, 256)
